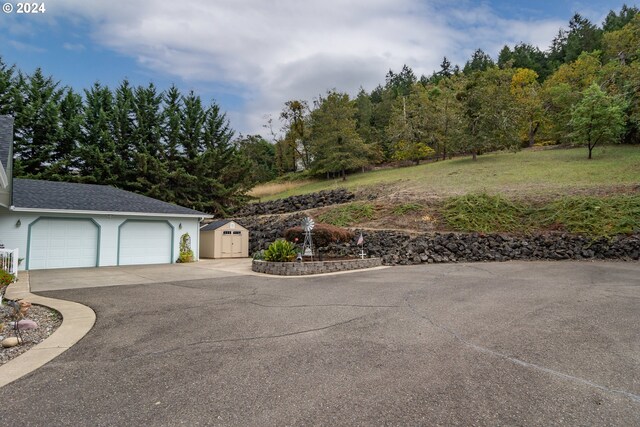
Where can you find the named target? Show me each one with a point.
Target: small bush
(280, 251)
(259, 255)
(322, 234)
(6, 278)
(344, 216)
(186, 254)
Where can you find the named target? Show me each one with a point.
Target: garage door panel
(145, 242)
(63, 243)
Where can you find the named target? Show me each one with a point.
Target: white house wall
(13, 237)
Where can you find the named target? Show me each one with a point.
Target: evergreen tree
(7, 88)
(64, 163)
(37, 124)
(149, 171)
(337, 147)
(261, 155)
(616, 21)
(99, 160)
(400, 84)
(122, 124)
(479, 61)
(583, 36)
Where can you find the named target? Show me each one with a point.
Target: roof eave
(116, 213)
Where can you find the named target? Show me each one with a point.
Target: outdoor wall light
(180, 226)
(18, 223)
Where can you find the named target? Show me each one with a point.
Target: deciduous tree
(597, 119)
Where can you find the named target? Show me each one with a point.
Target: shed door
(231, 244)
(63, 243)
(145, 242)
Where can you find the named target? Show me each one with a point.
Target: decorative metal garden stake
(361, 243)
(307, 247)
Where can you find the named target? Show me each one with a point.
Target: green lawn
(525, 173)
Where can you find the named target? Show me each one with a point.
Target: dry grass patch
(271, 188)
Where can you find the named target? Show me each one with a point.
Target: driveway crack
(324, 305)
(519, 362)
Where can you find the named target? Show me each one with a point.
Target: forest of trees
(584, 90)
(162, 144)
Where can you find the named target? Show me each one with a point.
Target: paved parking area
(468, 344)
(75, 278)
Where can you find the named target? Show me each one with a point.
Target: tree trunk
(590, 149)
(344, 175)
(532, 133)
(474, 154)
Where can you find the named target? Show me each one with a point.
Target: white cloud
(275, 51)
(74, 47)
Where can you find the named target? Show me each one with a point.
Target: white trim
(4, 181)
(65, 211)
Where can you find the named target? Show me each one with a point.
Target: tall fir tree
(37, 124)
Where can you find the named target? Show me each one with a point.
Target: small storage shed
(224, 239)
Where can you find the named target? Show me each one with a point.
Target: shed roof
(217, 224)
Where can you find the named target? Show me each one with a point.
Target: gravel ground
(48, 321)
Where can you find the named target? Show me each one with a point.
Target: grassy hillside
(525, 174)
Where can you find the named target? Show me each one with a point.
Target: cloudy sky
(251, 56)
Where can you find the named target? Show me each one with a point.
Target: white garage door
(145, 242)
(63, 243)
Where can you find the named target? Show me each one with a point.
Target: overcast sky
(251, 56)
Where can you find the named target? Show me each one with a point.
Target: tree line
(585, 89)
(162, 144)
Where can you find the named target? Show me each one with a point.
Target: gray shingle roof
(217, 224)
(6, 139)
(36, 194)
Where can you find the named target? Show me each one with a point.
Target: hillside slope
(527, 174)
(544, 190)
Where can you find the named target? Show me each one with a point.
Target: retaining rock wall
(298, 203)
(401, 248)
(313, 267)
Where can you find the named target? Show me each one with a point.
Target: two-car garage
(55, 224)
(75, 242)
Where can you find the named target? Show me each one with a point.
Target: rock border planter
(312, 267)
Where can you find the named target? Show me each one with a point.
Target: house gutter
(118, 213)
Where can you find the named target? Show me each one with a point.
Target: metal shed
(224, 239)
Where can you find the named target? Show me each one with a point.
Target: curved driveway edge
(77, 321)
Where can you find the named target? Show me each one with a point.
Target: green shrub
(259, 255)
(186, 254)
(322, 234)
(6, 278)
(280, 251)
(346, 215)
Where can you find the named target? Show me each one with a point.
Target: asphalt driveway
(468, 344)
